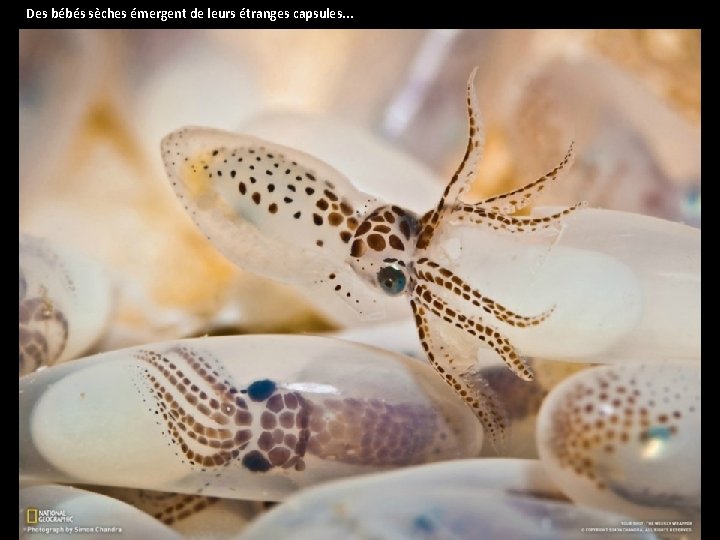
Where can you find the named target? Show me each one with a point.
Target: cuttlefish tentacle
(465, 173)
(226, 444)
(478, 215)
(485, 333)
(517, 199)
(468, 384)
(431, 272)
(496, 420)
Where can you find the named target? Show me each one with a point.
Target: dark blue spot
(658, 432)
(261, 390)
(424, 524)
(254, 461)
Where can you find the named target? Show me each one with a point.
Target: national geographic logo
(35, 516)
(41, 521)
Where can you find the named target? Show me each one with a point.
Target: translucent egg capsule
(251, 417)
(626, 438)
(48, 511)
(65, 303)
(623, 287)
(467, 499)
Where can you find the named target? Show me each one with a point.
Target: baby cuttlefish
(277, 211)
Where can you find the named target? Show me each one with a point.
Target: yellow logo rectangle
(31, 516)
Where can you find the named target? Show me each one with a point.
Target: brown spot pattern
(376, 242)
(382, 228)
(496, 221)
(585, 437)
(168, 508)
(265, 171)
(487, 334)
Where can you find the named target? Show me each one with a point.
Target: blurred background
(93, 106)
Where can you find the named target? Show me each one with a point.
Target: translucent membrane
(251, 417)
(468, 499)
(626, 438)
(625, 286)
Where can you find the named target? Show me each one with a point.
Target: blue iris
(392, 280)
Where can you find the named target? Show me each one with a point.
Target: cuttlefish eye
(392, 280)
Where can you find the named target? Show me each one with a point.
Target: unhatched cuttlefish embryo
(277, 211)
